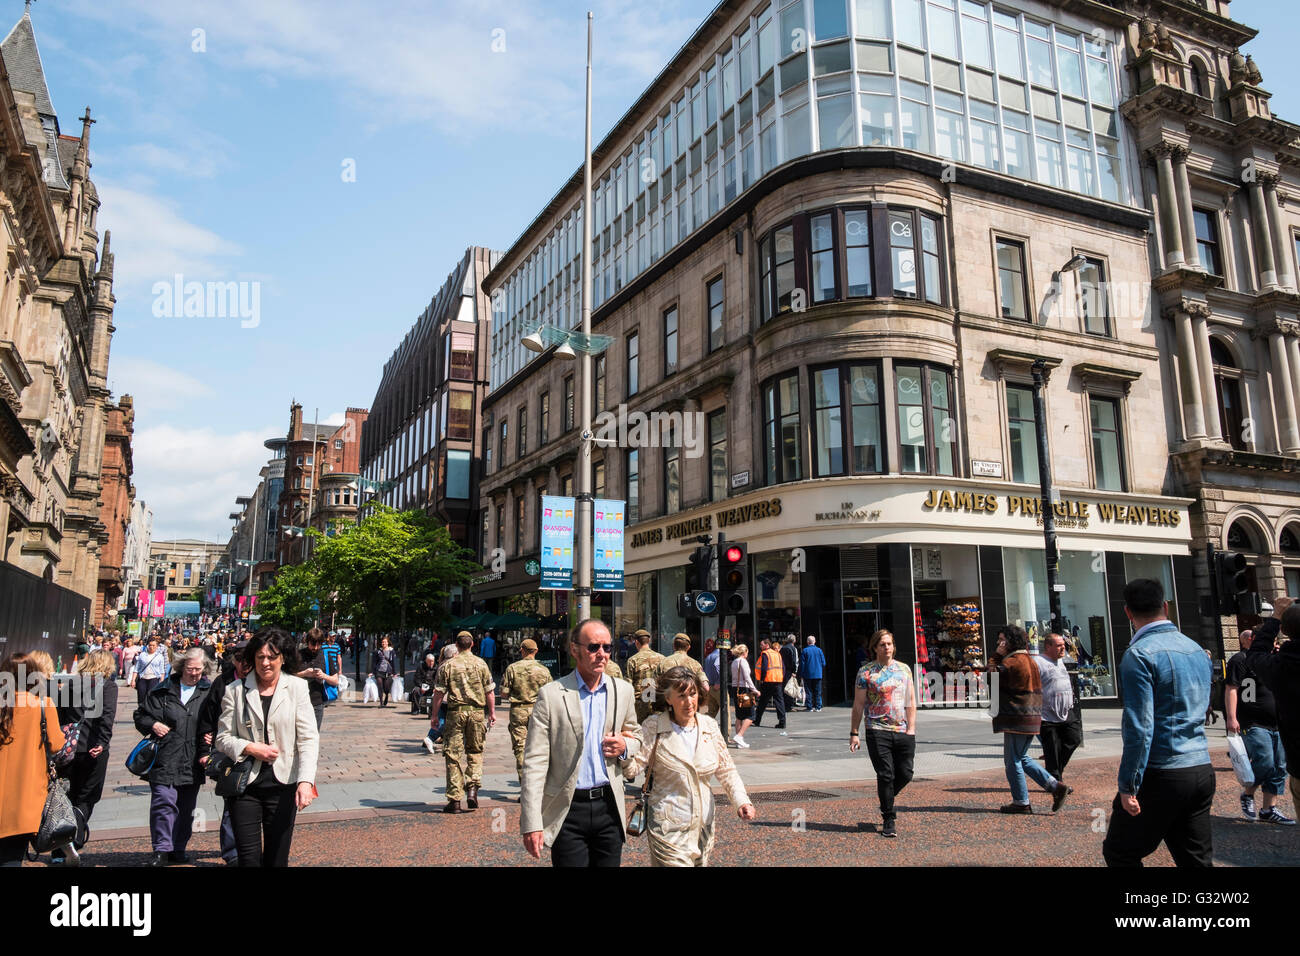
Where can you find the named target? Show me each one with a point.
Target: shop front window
(776, 597)
(1084, 607)
(946, 603)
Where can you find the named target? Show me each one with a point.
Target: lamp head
(565, 351)
(534, 342)
(1075, 263)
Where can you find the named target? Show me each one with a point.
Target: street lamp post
(582, 538)
(1039, 371)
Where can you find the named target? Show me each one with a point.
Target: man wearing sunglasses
(583, 726)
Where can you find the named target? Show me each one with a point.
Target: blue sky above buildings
(220, 155)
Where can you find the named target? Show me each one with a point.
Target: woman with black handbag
(94, 711)
(171, 714)
(268, 717)
(24, 759)
(744, 694)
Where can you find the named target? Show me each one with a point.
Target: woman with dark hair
(24, 757)
(681, 749)
(270, 704)
(383, 668)
(171, 714)
(1019, 719)
(887, 695)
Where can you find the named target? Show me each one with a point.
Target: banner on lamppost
(159, 602)
(557, 543)
(143, 601)
(607, 563)
(243, 599)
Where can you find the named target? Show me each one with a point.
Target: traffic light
(733, 579)
(1232, 573)
(697, 576)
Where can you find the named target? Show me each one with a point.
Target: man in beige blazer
(583, 727)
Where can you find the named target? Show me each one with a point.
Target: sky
(335, 159)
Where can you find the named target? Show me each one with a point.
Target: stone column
(1170, 229)
(1265, 265)
(1293, 356)
(1200, 313)
(1283, 388)
(1188, 375)
(1281, 252)
(1184, 193)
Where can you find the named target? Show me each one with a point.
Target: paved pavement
(372, 760)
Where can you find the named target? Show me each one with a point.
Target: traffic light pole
(724, 653)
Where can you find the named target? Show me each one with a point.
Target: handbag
(59, 825)
(638, 821)
(233, 776)
(1240, 760)
(746, 698)
(141, 759)
(71, 734)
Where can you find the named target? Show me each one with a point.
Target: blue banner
(557, 543)
(607, 563)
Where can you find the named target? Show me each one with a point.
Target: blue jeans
(812, 692)
(1015, 754)
(1264, 747)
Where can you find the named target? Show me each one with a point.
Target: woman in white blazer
(683, 750)
(269, 717)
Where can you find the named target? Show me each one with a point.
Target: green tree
(288, 601)
(393, 570)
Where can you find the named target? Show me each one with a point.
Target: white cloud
(424, 62)
(338, 418)
(152, 241)
(199, 164)
(191, 476)
(154, 387)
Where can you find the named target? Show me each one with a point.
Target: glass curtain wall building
(983, 84)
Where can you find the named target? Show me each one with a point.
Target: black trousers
(1059, 742)
(892, 755)
(385, 682)
(592, 834)
(263, 822)
(773, 693)
(1175, 807)
(86, 781)
(13, 849)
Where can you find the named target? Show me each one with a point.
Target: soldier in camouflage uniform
(522, 680)
(613, 670)
(681, 657)
(467, 684)
(643, 670)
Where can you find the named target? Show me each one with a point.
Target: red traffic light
(734, 555)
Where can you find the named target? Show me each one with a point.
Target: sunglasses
(593, 648)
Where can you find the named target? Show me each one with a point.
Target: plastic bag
(371, 692)
(399, 689)
(344, 684)
(1240, 760)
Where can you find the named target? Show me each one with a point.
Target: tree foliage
(288, 601)
(392, 571)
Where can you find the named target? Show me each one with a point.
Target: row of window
(847, 424)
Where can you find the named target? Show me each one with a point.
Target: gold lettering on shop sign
(705, 523)
(974, 502)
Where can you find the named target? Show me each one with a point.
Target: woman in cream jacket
(268, 716)
(684, 749)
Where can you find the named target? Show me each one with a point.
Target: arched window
(1200, 78)
(1227, 389)
(1244, 536)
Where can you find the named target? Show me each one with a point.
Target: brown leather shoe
(453, 806)
(471, 797)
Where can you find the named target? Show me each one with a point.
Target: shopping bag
(371, 693)
(1240, 760)
(399, 690)
(344, 684)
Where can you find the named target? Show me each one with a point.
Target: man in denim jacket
(1166, 781)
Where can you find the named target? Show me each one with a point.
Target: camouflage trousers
(463, 737)
(519, 714)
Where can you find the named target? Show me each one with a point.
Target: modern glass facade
(976, 83)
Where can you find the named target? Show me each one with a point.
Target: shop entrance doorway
(858, 628)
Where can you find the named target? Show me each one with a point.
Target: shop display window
(776, 593)
(1083, 605)
(950, 653)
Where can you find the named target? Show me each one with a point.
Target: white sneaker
(740, 742)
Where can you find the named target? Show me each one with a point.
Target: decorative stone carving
(1253, 76)
(1147, 34)
(1237, 71)
(1191, 307)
